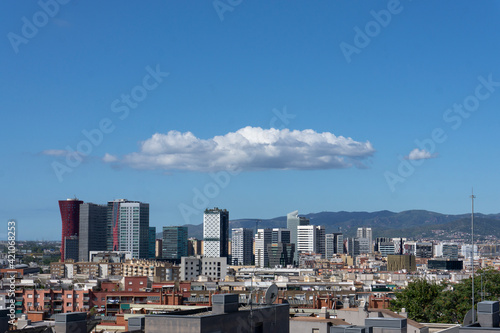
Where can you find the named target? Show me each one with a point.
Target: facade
(134, 228)
(399, 262)
(262, 239)
(445, 265)
(174, 242)
(71, 248)
(320, 241)
(241, 246)
(70, 217)
(194, 247)
(386, 248)
(193, 267)
(447, 251)
(367, 234)
(306, 239)
(216, 232)
(292, 222)
(157, 271)
(152, 243)
(334, 244)
(281, 235)
(280, 254)
(92, 230)
(353, 247)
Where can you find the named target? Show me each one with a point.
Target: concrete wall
(297, 326)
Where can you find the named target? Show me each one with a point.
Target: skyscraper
(334, 244)
(365, 245)
(70, 217)
(175, 242)
(241, 246)
(92, 231)
(292, 222)
(320, 240)
(133, 228)
(306, 239)
(151, 242)
(262, 239)
(215, 232)
(281, 235)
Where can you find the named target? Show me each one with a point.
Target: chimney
(488, 313)
(324, 314)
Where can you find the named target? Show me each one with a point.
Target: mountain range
(417, 224)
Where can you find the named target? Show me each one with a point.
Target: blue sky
(255, 106)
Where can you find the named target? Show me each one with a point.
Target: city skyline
(324, 107)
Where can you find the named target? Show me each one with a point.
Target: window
(70, 296)
(30, 296)
(315, 330)
(30, 304)
(142, 282)
(130, 282)
(68, 304)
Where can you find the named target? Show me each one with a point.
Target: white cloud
(108, 158)
(55, 152)
(420, 154)
(250, 148)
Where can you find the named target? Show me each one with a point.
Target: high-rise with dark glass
(175, 242)
(92, 234)
(70, 217)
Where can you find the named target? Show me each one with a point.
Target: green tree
(419, 300)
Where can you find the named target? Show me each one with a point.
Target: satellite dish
(271, 294)
(468, 318)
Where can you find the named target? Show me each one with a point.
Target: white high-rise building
(365, 245)
(216, 233)
(242, 246)
(134, 228)
(306, 239)
(262, 239)
(292, 222)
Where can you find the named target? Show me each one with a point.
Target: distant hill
(410, 223)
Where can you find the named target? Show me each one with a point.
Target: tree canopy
(445, 302)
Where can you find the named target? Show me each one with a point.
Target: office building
(216, 233)
(306, 239)
(367, 234)
(320, 241)
(334, 244)
(445, 265)
(70, 217)
(92, 230)
(151, 242)
(262, 239)
(280, 254)
(281, 235)
(174, 242)
(399, 262)
(385, 248)
(130, 227)
(353, 248)
(292, 222)
(447, 251)
(241, 246)
(71, 248)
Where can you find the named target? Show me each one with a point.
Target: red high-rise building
(70, 216)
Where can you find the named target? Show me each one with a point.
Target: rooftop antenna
(472, 254)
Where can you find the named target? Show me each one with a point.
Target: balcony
(19, 298)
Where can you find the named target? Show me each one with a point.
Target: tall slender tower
(216, 233)
(70, 216)
(92, 235)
